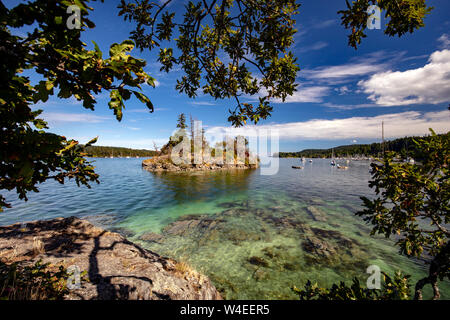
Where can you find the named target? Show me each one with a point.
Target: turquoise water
(249, 233)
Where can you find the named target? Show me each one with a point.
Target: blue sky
(343, 96)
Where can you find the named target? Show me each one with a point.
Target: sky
(343, 94)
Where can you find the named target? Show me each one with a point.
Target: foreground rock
(116, 267)
(163, 164)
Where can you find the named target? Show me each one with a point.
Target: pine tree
(181, 121)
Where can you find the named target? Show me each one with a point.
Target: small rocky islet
(164, 164)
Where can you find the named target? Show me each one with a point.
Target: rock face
(116, 267)
(163, 164)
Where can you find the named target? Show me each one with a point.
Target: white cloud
(144, 143)
(145, 110)
(202, 103)
(343, 71)
(395, 125)
(342, 90)
(349, 106)
(303, 94)
(305, 29)
(325, 24)
(354, 69)
(445, 41)
(72, 117)
(314, 47)
(307, 94)
(429, 84)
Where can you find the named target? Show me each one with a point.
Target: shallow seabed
(255, 236)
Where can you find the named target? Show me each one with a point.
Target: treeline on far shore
(402, 146)
(117, 152)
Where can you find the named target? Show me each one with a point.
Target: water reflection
(204, 185)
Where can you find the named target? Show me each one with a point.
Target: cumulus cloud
(395, 125)
(429, 84)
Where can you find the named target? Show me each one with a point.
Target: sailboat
(333, 163)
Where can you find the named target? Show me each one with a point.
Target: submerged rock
(285, 222)
(190, 224)
(289, 266)
(123, 231)
(316, 213)
(116, 267)
(260, 275)
(341, 240)
(319, 247)
(257, 261)
(151, 237)
(324, 233)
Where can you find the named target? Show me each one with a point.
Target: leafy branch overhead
(394, 288)
(412, 203)
(228, 49)
(403, 16)
(28, 154)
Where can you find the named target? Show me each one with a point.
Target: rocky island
(192, 152)
(163, 164)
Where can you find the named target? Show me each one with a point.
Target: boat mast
(382, 137)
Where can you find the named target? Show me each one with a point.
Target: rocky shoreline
(116, 268)
(163, 164)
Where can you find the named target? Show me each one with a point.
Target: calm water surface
(258, 237)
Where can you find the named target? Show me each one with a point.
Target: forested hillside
(106, 152)
(403, 146)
